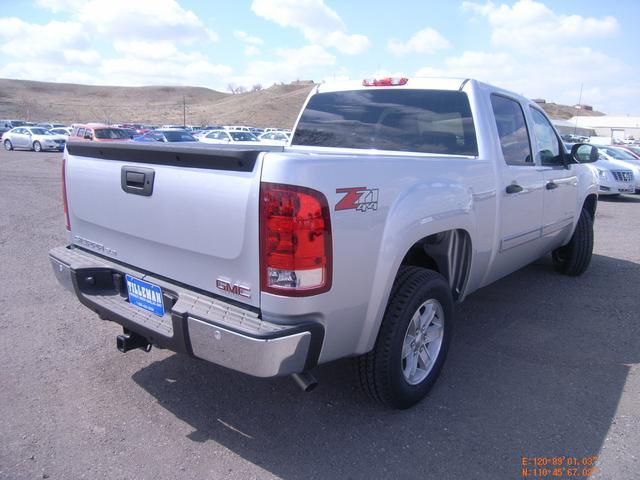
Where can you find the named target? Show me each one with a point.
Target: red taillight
(384, 82)
(295, 240)
(64, 193)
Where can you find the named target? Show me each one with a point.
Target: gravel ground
(541, 365)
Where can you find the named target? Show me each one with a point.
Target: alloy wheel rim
(422, 341)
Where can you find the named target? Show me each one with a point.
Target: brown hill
(564, 112)
(276, 106)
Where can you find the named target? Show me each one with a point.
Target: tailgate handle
(138, 181)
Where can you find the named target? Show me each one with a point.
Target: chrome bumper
(194, 322)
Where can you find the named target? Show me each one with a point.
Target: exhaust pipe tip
(306, 381)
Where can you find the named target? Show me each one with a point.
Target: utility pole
(575, 128)
(184, 112)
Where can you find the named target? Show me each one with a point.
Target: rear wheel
(7, 145)
(37, 147)
(574, 258)
(413, 340)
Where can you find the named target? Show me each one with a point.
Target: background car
(166, 135)
(66, 131)
(623, 157)
(237, 137)
(33, 138)
(99, 133)
(274, 138)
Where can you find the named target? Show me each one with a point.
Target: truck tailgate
(186, 213)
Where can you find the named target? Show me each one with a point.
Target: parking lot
(541, 366)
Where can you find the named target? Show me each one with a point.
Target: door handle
(136, 180)
(551, 185)
(514, 188)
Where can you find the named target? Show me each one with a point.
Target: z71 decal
(358, 198)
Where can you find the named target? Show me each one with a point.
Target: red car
(98, 132)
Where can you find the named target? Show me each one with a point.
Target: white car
(37, 139)
(66, 131)
(236, 137)
(621, 155)
(275, 138)
(614, 177)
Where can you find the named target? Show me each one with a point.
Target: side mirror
(88, 136)
(582, 157)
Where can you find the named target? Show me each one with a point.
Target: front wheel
(413, 340)
(7, 145)
(37, 147)
(574, 258)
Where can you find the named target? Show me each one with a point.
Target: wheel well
(448, 253)
(590, 204)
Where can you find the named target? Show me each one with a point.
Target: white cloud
(135, 20)
(46, 72)
(246, 38)
(32, 40)
(522, 74)
(528, 24)
(316, 21)
(427, 40)
(145, 63)
(81, 57)
(305, 63)
(251, 51)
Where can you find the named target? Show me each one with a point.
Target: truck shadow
(620, 199)
(537, 367)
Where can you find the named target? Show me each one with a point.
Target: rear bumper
(194, 322)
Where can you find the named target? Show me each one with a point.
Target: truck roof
(432, 83)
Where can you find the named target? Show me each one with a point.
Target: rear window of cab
(423, 121)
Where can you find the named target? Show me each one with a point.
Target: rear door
(561, 183)
(197, 223)
(520, 185)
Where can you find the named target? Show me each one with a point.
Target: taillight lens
(295, 240)
(64, 193)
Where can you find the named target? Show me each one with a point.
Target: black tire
(7, 145)
(37, 146)
(574, 258)
(380, 372)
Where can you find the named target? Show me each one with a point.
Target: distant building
(567, 126)
(582, 106)
(615, 127)
(539, 100)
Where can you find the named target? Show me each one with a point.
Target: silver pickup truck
(395, 199)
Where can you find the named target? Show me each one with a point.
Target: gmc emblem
(233, 288)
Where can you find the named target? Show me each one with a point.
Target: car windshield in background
(178, 136)
(425, 121)
(243, 137)
(619, 154)
(110, 134)
(40, 131)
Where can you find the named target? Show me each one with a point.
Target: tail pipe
(131, 340)
(305, 381)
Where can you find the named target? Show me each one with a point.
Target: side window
(81, 132)
(548, 145)
(512, 130)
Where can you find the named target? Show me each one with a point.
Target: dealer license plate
(145, 295)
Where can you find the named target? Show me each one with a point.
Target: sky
(541, 49)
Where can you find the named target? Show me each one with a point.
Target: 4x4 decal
(358, 198)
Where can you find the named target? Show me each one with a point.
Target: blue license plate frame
(145, 295)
